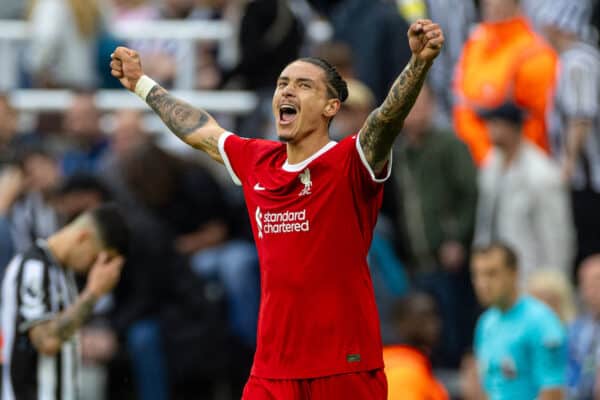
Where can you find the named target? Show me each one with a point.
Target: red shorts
(370, 385)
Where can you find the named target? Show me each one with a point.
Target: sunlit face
(589, 283)
(492, 279)
(301, 103)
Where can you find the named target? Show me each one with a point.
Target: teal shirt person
(520, 352)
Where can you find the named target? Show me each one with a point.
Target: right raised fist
(126, 66)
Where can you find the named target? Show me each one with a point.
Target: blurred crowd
(500, 155)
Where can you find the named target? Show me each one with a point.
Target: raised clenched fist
(126, 66)
(425, 39)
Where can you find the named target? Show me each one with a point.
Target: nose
(287, 91)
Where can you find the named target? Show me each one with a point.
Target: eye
(304, 85)
(281, 85)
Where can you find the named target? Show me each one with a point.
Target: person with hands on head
(41, 310)
(313, 204)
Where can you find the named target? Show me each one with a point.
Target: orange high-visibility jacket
(503, 61)
(409, 375)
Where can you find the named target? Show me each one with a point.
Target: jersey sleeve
(549, 352)
(361, 173)
(239, 155)
(33, 296)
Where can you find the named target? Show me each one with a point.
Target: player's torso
(303, 212)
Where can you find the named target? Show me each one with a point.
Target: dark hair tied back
(336, 86)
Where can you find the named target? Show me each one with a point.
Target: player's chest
(276, 188)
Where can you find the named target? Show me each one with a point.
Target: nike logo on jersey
(258, 187)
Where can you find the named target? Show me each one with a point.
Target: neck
(58, 250)
(564, 44)
(306, 147)
(509, 301)
(510, 151)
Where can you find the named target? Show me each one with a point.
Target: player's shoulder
(253, 142)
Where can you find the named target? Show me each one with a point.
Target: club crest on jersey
(305, 179)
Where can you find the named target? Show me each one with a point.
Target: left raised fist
(425, 39)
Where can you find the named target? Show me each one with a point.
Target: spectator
(62, 50)
(434, 201)
(82, 128)
(8, 130)
(11, 186)
(583, 377)
(519, 342)
(503, 60)
(32, 216)
(407, 366)
(376, 34)
(575, 117)
(11, 138)
(553, 288)
(127, 135)
(354, 111)
(522, 199)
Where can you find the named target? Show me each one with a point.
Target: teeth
(287, 107)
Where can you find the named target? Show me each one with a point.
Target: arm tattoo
(65, 324)
(73, 317)
(383, 125)
(179, 116)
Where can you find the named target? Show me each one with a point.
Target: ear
(82, 235)
(332, 107)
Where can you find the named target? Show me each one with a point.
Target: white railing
(14, 35)
(230, 102)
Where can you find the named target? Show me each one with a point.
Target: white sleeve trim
(225, 158)
(368, 167)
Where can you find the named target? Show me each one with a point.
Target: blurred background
(181, 323)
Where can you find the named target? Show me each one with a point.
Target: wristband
(143, 86)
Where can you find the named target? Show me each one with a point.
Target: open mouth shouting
(287, 113)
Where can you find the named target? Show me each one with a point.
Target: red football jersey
(313, 225)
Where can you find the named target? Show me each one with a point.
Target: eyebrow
(332, 92)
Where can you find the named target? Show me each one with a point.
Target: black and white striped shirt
(578, 96)
(35, 289)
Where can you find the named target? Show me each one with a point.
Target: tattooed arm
(192, 125)
(383, 125)
(48, 337)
